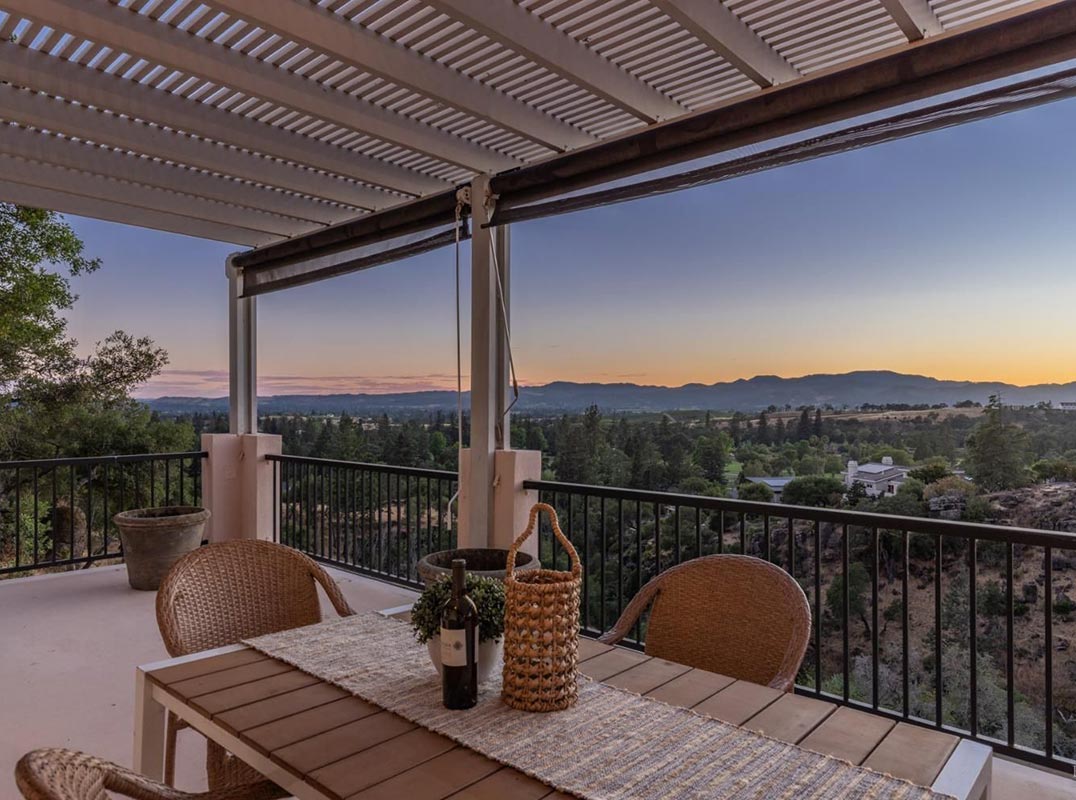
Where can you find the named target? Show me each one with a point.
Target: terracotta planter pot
(155, 538)
(489, 656)
(484, 562)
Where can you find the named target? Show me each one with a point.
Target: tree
(933, 470)
(817, 429)
(997, 451)
(814, 490)
(763, 434)
(859, 581)
(803, 427)
(755, 492)
(44, 383)
(711, 454)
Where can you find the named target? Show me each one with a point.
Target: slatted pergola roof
(250, 121)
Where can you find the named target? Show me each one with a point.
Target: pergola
(333, 135)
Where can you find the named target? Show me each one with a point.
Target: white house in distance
(1068, 405)
(878, 478)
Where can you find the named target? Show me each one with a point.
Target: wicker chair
(737, 615)
(226, 592)
(55, 774)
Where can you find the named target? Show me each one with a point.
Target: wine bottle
(459, 644)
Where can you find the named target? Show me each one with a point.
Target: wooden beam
(327, 32)
(42, 111)
(914, 17)
(129, 32)
(533, 37)
(135, 196)
(54, 199)
(22, 66)
(999, 47)
(280, 213)
(725, 33)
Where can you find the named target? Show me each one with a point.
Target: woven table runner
(612, 745)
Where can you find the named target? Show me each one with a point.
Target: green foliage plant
(488, 597)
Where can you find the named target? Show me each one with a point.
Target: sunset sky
(950, 255)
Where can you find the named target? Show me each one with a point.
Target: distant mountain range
(848, 389)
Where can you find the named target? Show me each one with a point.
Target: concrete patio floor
(69, 645)
(71, 642)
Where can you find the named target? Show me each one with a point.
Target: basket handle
(573, 556)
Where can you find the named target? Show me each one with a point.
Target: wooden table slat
(848, 734)
(226, 678)
(738, 702)
(237, 720)
(647, 676)
(505, 783)
(790, 718)
(166, 676)
(351, 775)
(914, 753)
(254, 691)
(604, 666)
(280, 733)
(317, 751)
(691, 688)
(435, 779)
(588, 648)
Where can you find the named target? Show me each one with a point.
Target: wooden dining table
(322, 743)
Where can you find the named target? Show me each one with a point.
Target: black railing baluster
(939, 687)
(586, 560)
(973, 642)
(766, 543)
(18, 517)
(905, 671)
(638, 557)
(791, 547)
(677, 558)
(620, 557)
(602, 555)
(845, 610)
(1048, 636)
(698, 532)
(817, 605)
(1010, 693)
(874, 617)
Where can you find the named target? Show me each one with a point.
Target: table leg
(148, 730)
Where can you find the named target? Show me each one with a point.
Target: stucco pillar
(238, 485)
(511, 502)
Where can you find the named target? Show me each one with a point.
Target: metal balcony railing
(57, 513)
(950, 625)
(370, 518)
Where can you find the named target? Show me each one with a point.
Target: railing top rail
(861, 519)
(418, 472)
(94, 460)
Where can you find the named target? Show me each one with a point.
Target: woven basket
(541, 628)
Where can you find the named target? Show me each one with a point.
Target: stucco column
(511, 502)
(238, 485)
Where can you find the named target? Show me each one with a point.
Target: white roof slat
(170, 47)
(364, 48)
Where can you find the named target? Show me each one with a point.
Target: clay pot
(483, 562)
(155, 538)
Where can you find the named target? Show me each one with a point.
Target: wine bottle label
(453, 648)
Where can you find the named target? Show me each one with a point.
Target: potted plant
(155, 538)
(489, 562)
(488, 597)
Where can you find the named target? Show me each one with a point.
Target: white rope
(461, 195)
(507, 333)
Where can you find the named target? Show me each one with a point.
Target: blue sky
(949, 254)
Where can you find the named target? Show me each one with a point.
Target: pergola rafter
(914, 17)
(335, 37)
(544, 44)
(728, 35)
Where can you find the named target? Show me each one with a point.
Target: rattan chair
(56, 774)
(737, 615)
(223, 593)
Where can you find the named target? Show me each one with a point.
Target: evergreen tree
(803, 428)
